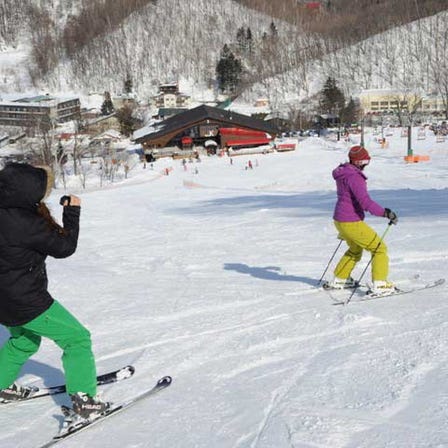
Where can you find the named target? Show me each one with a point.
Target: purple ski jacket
(353, 198)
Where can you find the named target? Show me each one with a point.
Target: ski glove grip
(64, 199)
(390, 215)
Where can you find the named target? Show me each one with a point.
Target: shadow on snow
(268, 273)
(406, 202)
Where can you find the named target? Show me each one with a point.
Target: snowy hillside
(209, 277)
(178, 40)
(409, 58)
(161, 42)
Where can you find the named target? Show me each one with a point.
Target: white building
(31, 111)
(169, 97)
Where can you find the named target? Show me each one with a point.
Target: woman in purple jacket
(353, 200)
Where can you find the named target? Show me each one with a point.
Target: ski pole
(331, 259)
(368, 264)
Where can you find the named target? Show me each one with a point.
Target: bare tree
(44, 42)
(438, 58)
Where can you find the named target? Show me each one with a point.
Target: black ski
(106, 378)
(370, 296)
(73, 424)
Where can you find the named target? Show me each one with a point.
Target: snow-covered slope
(207, 277)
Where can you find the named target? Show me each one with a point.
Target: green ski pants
(63, 328)
(358, 235)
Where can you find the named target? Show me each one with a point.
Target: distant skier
(28, 234)
(352, 200)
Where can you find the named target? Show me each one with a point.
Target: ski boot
(340, 283)
(382, 288)
(15, 392)
(88, 407)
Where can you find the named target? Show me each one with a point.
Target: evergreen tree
(128, 84)
(241, 39)
(249, 40)
(350, 113)
(228, 71)
(128, 123)
(107, 107)
(244, 39)
(332, 98)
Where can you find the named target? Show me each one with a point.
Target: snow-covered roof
(100, 118)
(134, 147)
(151, 127)
(199, 114)
(110, 133)
(40, 100)
(379, 92)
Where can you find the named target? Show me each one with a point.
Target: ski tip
(129, 370)
(125, 372)
(165, 381)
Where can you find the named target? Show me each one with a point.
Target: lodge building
(201, 124)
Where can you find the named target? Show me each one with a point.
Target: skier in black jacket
(28, 234)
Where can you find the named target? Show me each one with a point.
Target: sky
(208, 275)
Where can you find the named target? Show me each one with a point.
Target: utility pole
(410, 140)
(362, 131)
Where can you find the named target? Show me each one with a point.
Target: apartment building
(375, 102)
(30, 111)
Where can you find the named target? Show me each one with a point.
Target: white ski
(73, 424)
(399, 291)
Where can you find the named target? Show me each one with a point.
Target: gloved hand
(390, 215)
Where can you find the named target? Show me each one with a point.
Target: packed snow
(207, 274)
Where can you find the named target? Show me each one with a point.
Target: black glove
(390, 215)
(64, 199)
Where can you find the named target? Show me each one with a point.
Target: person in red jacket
(28, 234)
(353, 200)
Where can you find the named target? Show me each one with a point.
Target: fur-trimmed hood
(22, 185)
(26, 239)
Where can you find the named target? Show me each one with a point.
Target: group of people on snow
(28, 234)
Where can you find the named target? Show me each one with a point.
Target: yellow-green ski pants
(57, 324)
(358, 235)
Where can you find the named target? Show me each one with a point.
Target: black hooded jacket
(26, 239)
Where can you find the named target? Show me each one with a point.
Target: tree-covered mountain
(95, 45)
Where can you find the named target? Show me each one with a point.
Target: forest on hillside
(280, 52)
(348, 20)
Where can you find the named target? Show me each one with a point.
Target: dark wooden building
(199, 124)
